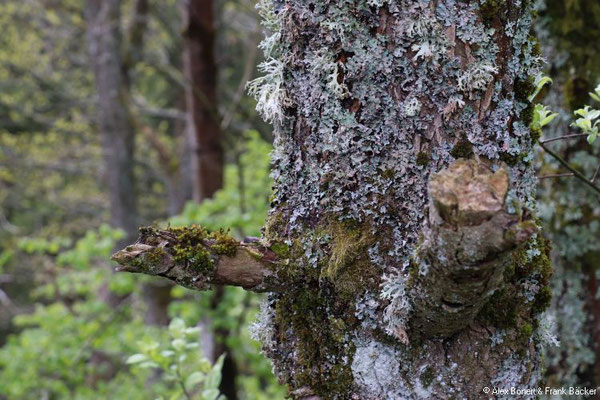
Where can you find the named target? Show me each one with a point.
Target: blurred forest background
(116, 114)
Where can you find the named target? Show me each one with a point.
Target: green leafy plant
(588, 122)
(542, 116)
(539, 83)
(180, 361)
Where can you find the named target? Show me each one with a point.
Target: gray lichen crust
(370, 98)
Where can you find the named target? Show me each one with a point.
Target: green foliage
(243, 212)
(588, 121)
(180, 361)
(542, 116)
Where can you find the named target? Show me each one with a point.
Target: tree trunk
(401, 253)
(114, 121)
(117, 128)
(201, 97)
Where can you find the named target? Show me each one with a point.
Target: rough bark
(373, 103)
(201, 97)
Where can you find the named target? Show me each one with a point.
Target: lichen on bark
(403, 212)
(376, 97)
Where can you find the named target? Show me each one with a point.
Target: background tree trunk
(400, 251)
(201, 97)
(115, 124)
(112, 66)
(206, 143)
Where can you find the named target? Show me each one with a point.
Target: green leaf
(548, 119)
(149, 364)
(178, 344)
(193, 379)
(210, 394)
(591, 138)
(213, 379)
(167, 353)
(136, 358)
(177, 327)
(540, 82)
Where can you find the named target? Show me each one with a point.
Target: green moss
(523, 88)
(542, 300)
(490, 10)
(535, 133)
(510, 159)
(347, 241)
(274, 227)
(462, 149)
(422, 159)
(321, 337)
(508, 308)
(191, 250)
(223, 243)
(501, 310)
(154, 256)
(527, 114)
(281, 249)
(526, 331)
(538, 264)
(427, 377)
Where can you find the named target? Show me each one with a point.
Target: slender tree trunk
(117, 127)
(114, 121)
(201, 97)
(205, 137)
(401, 254)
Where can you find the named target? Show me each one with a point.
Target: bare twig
(248, 68)
(576, 173)
(555, 175)
(595, 174)
(574, 135)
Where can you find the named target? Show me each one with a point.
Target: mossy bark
(369, 99)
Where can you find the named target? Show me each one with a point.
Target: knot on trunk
(468, 193)
(466, 245)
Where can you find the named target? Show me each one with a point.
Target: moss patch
(462, 149)
(422, 159)
(508, 308)
(195, 247)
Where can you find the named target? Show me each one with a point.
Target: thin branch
(248, 68)
(576, 173)
(574, 135)
(596, 174)
(555, 175)
(166, 113)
